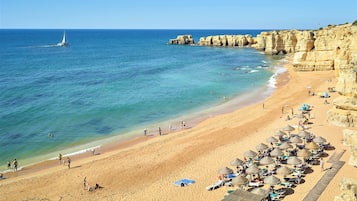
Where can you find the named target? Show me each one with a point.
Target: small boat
(64, 42)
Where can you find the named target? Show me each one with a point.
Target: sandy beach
(145, 168)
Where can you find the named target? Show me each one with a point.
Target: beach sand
(145, 168)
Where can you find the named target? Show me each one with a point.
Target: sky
(175, 14)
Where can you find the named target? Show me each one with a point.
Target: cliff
(329, 48)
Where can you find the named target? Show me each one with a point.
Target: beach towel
(184, 182)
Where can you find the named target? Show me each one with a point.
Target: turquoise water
(110, 82)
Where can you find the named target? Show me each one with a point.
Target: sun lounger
(218, 184)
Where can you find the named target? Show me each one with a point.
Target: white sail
(64, 41)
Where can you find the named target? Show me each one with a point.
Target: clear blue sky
(175, 14)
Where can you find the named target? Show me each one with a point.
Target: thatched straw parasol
(279, 133)
(271, 139)
(237, 162)
(295, 139)
(252, 169)
(260, 191)
(284, 171)
(285, 145)
(312, 145)
(266, 160)
(293, 160)
(261, 147)
(225, 170)
(319, 140)
(276, 152)
(239, 180)
(250, 154)
(304, 153)
(272, 180)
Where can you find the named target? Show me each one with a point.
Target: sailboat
(64, 42)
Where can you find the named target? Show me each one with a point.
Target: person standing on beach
(322, 164)
(145, 132)
(85, 184)
(68, 162)
(8, 164)
(159, 130)
(60, 158)
(15, 164)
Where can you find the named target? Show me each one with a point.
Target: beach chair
(218, 184)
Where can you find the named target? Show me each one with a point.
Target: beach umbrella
(279, 133)
(252, 170)
(319, 140)
(303, 134)
(276, 152)
(285, 145)
(225, 170)
(237, 162)
(288, 128)
(295, 139)
(303, 153)
(271, 139)
(261, 147)
(239, 180)
(266, 160)
(312, 145)
(284, 171)
(293, 160)
(272, 180)
(260, 191)
(250, 154)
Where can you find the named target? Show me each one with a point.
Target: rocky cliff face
(182, 40)
(330, 48)
(227, 40)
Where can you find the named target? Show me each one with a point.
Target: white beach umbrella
(288, 128)
(279, 133)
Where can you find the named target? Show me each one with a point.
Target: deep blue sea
(113, 82)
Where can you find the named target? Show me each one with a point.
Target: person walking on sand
(15, 164)
(60, 158)
(322, 164)
(68, 162)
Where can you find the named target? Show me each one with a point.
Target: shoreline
(193, 118)
(146, 167)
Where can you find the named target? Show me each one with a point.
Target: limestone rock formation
(348, 189)
(330, 48)
(227, 40)
(350, 140)
(182, 40)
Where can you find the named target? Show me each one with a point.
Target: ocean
(111, 84)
